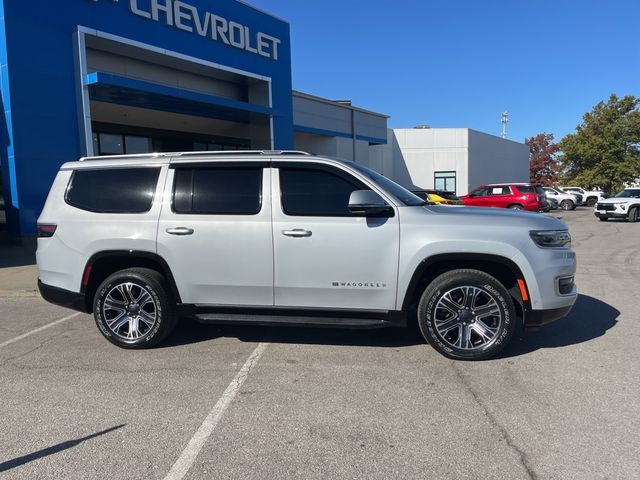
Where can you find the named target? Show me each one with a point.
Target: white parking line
(28, 334)
(188, 456)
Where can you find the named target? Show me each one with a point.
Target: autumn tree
(605, 149)
(543, 166)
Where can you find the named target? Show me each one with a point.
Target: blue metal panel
(42, 123)
(322, 132)
(138, 93)
(372, 140)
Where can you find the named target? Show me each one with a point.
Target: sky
(460, 64)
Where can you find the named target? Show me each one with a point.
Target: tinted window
(308, 192)
(525, 188)
(482, 192)
(629, 193)
(218, 191)
(114, 190)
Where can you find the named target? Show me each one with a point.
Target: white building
(453, 159)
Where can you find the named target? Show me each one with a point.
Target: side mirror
(367, 203)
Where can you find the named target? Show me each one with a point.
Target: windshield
(629, 193)
(401, 193)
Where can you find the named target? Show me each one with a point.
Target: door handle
(181, 231)
(297, 233)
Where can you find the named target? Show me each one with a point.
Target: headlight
(551, 238)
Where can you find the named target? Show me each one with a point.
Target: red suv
(517, 196)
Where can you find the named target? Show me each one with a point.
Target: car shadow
(590, 318)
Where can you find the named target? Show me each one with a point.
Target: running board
(293, 320)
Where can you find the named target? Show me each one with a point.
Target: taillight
(46, 230)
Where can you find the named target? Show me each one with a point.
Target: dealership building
(452, 159)
(98, 77)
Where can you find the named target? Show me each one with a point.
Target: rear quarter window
(525, 188)
(113, 190)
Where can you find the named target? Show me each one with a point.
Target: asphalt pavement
(562, 402)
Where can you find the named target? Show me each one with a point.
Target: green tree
(605, 149)
(543, 166)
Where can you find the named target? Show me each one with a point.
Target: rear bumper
(610, 215)
(537, 318)
(63, 298)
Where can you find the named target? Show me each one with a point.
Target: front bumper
(63, 298)
(610, 214)
(537, 318)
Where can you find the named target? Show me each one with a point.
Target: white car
(625, 204)
(566, 201)
(591, 197)
(289, 238)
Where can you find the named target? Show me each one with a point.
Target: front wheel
(591, 202)
(567, 205)
(603, 219)
(467, 315)
(133, 309)
(633, 215)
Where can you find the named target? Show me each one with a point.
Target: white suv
(590, 197)
(625, 204)
(289, 238)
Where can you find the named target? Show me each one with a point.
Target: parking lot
(256, 402)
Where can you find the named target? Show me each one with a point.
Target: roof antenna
(505, 121)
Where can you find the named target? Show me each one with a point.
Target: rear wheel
(516, 207)
(467, 315)
(567, 205)
(633, 215)
(133, 309)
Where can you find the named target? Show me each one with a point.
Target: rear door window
(218, 190)
(113, 190)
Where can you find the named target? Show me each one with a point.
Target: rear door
(501, 196)
(215, 232)
(324, 256)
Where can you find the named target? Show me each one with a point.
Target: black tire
(567, 205)
(603, 219)
(120, 291)
(633, 215)
(516, 207)
(433, 316)
(591, 202)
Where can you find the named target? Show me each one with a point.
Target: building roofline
(243, 2)
(334, 103)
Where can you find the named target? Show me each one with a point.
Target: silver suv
(289, 238)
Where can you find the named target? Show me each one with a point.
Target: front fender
(483, 250)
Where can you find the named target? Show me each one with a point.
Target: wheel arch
(102, 264)
(505, 270)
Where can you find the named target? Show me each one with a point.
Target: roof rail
(112, 157)
(225, 153)
(242, 152)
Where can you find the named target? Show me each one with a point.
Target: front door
(215, 232)
(324, 256)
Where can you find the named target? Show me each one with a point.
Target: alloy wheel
(130, 311)
(468, 318)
